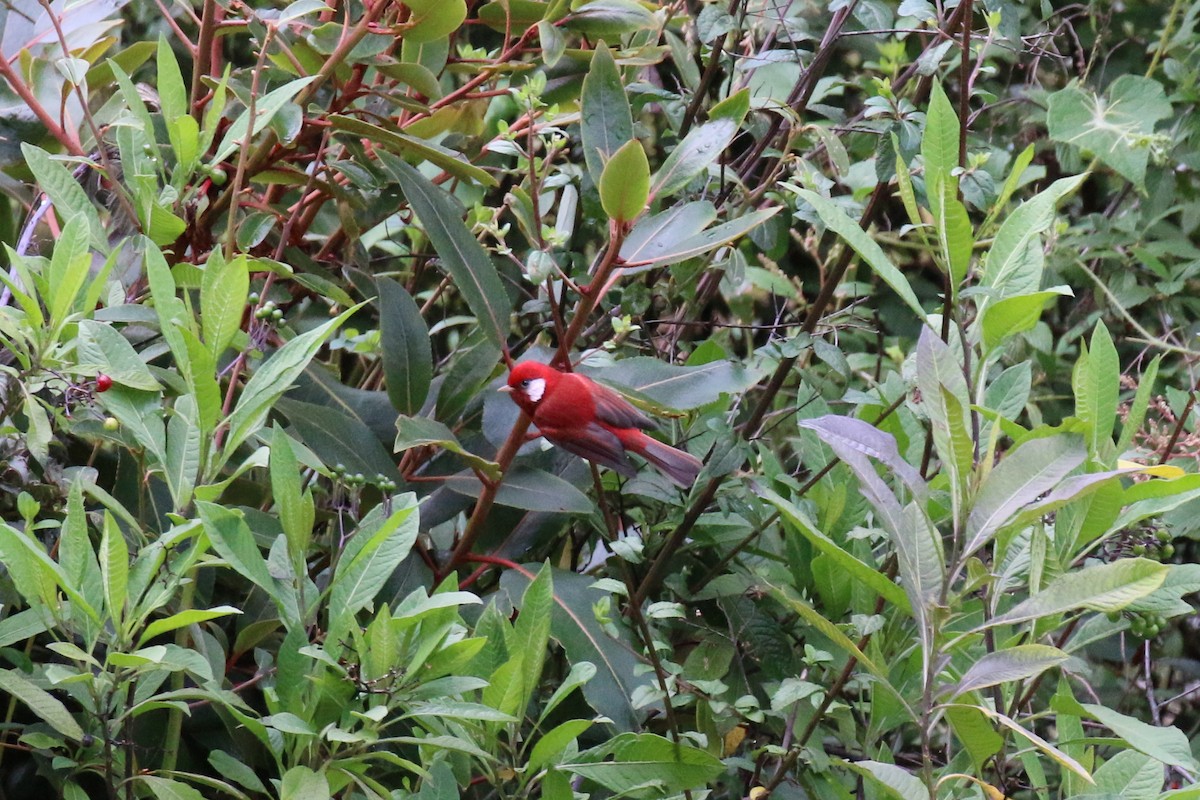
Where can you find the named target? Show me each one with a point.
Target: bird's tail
(682, 468)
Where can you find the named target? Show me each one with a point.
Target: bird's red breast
(592, 421)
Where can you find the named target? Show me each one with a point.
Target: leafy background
(916, 279)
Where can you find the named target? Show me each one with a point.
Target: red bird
(594, 422)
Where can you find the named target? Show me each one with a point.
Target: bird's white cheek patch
(537, 388)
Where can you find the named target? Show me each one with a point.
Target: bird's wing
(595, 443)
(613, 409)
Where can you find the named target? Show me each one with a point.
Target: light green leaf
(1006, 269)
(425, 432)
(1096, 381)
(265, 109)
(43, 704)
(896, 781)
(625, 183)
(1006, 318)
(1010, 664)
(1103, 587)
(102, 346)
(633, 760)
(1166, 743)
(700, 148)
(1117, 127)
(434, 19)
(373, 553)
(224, 289)
(65, 192)
(855, 570)
(273, 378)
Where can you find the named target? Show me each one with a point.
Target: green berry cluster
(1142, 624)
(357, 480)
(268, 311)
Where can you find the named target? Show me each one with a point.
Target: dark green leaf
(404, 347)
(467, 263)
(607, 123)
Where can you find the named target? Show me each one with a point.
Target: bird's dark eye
(525, 383)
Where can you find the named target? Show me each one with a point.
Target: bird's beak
(505, 389)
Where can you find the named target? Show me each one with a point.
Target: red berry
(103, 383)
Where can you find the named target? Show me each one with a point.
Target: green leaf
(1011, 664)
(265, 109)
(403, 346)
(977, 735)
(514, 15)
(836, 220)
(1117, 128)
(39, 432)
(734, 107)
(625, 183)
(183, 619)
(607, 123)
(424, 432)
(840, 640)
(1103, 587)
(172, 94)
(273, 378)
(573, 624)
(1006, 318)
(1025, 474)
(939, 151)
(700, 148)
(674, 387)
(434, 19)
(338, 438)
(945, 399)
(1166, 743)
(224, 289)
(1137, 409)
(1008, 269)
(43, 704)
(452, 162)
(955, 238)
(302, 783)
(555, 741)
(114, 569)
(528, 489)
(635, 760)
(232, 540)
(295, 508)
(531, 633)
(896, 781)
(373, 553)
(69, 267)
(65, 192)
(854, 569)
(1050, 750)
(1130, 776)
(181, 466)
(664, 243)
(1096, 381)
(601, 18)
(462, 257)
(100, 345)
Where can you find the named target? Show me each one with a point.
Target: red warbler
(593, 422)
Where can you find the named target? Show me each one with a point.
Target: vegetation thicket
(916, 280)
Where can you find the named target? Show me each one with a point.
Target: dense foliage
(916, 279)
